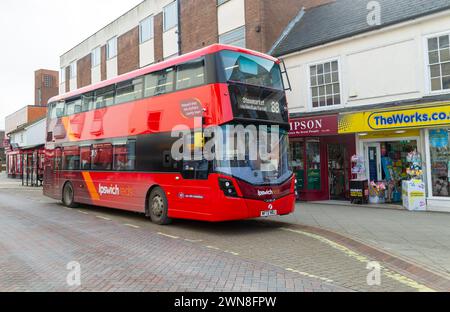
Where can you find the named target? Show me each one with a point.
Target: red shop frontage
(321, 158)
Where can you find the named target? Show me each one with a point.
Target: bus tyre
(68, 196)
(158, 207)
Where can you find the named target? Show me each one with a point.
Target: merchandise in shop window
(440, 162)
(414, 169)
(377, 192)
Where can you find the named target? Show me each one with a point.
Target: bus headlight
(228, 188)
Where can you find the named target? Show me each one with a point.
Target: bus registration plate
(269, 213)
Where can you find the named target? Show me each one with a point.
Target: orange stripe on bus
(90, 185)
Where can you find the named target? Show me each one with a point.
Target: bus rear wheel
(158, 207)
(68, 197)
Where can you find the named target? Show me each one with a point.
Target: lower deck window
(102, 157)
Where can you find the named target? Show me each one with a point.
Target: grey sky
(34, 33)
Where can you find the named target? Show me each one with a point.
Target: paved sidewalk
(423, 237)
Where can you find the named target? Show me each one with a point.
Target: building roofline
(104, 27)
(364, 31)
(25, 126)
(288, 29)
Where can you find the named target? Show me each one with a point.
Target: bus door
(57, 167)
(195, 192)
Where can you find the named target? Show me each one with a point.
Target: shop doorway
(386, 163)
(338, 171)
(374, 161)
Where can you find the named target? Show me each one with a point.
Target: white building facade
(387, 88)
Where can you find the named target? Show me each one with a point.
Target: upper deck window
(191, 75)
(250, 69)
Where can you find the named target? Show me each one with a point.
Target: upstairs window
(439, 62)
(73, 69)
(191, 75)
(130, 90)
(170, 16)
(159, 83)
(111, 48)
(73, 107)
(104, 97)
(87, 102)
(325, 85)
(96, 57)
(146, 29)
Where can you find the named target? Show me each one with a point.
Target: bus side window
(57, 159)
(85, 157)
(125, 156)
(71, 158)
(159, 83)
(102, 157)
(191, 75)
(104, 97)
(87, 102)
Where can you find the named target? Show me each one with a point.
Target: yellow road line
(388, 273)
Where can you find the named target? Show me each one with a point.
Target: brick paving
(422, 237)
(121, 251)
(38, 238)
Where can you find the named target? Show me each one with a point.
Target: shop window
(325, 84)
(125, 156)
(85, 157)
(313, 165)
(102, 157)
(71, 158)
(297, 153)
(190, 75)
(439, 62)
(440, 161)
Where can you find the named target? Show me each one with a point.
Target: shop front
(404, 146)
(320, 158)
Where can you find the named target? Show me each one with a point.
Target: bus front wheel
(158, 207)
(68, 197)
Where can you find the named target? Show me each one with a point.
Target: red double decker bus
(111, 144)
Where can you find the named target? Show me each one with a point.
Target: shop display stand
(359, 185)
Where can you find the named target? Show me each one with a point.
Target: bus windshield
(250, 69)
(248, 164)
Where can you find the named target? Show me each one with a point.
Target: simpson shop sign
(314, 126)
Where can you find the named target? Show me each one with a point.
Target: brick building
(156, 30)
(46, 84)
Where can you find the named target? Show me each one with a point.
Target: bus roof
(159, 66)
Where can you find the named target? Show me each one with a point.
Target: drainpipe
(179, 26)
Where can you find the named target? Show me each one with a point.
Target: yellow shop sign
(417, 117)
